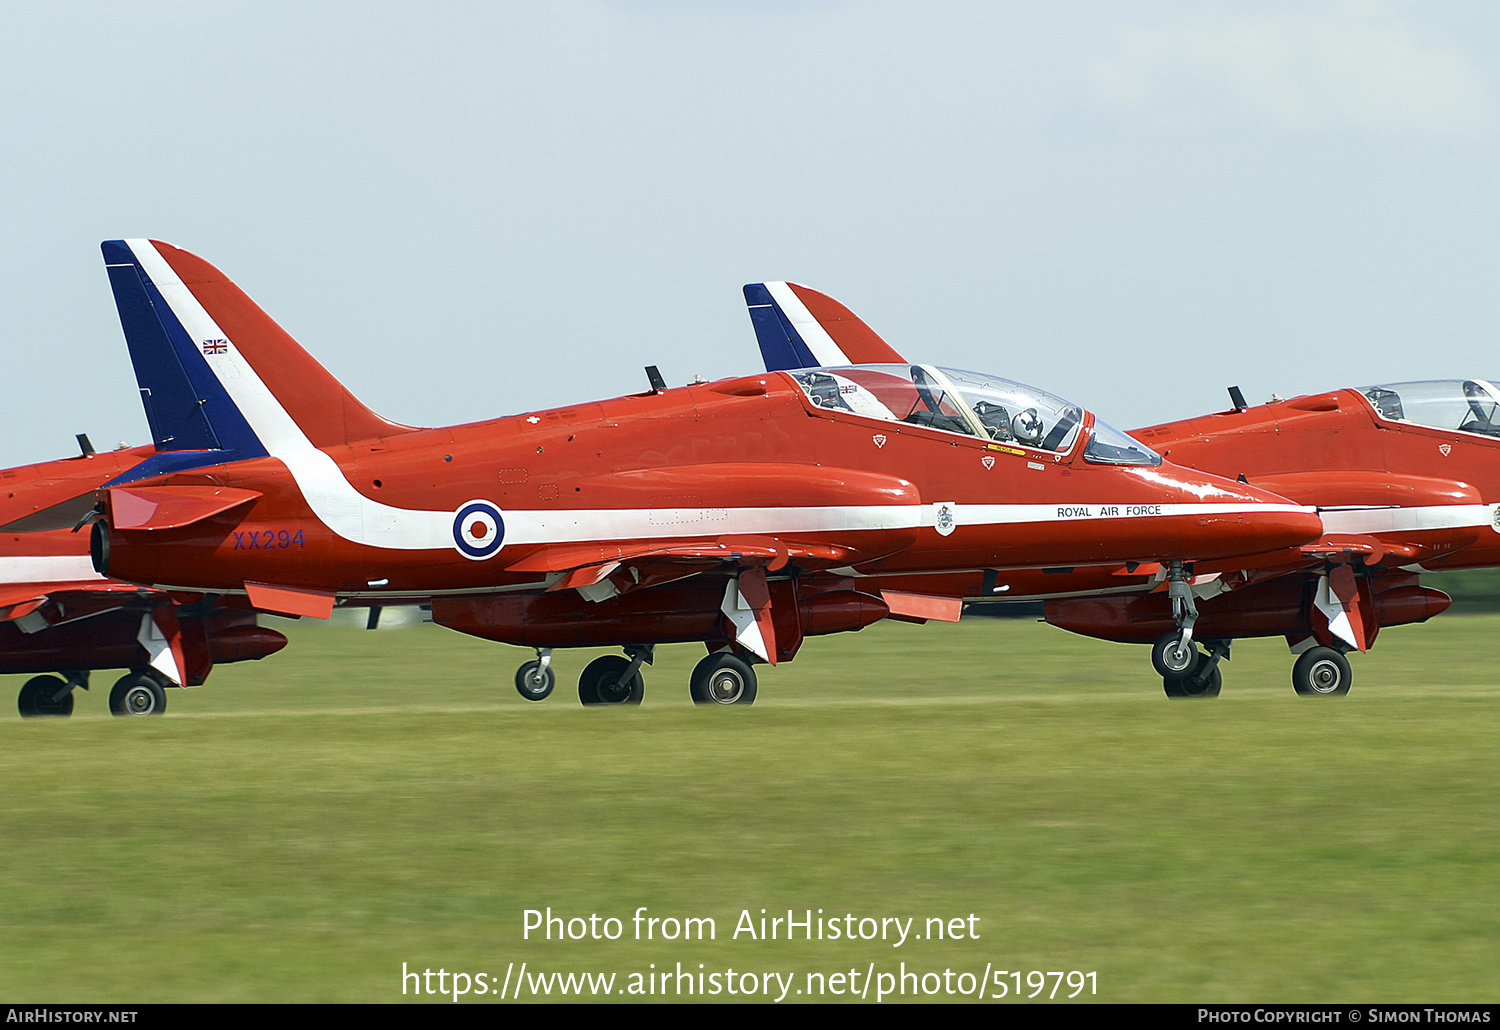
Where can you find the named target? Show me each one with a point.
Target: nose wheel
(535, 680)
(1173, 658)
(1185, 670)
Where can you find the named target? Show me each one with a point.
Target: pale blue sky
(470, 209)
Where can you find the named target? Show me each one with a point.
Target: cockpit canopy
(1467, 405)
(969, 403)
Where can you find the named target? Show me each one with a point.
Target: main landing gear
(136, 693)
(1189, 672)
(615, 679)
(44, 697)
(723, 678)
(1321, 672)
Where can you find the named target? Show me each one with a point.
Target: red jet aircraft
(739, 514)
(1403, 476)
(57, 615)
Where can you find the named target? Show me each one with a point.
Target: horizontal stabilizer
(18, 604)
(62, 515)
(918, 607)
(290, 600)
(170, 507)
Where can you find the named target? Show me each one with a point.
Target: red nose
(1264, 522)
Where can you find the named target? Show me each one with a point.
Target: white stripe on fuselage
(335, 502)
(809, 328)
(1405, 520)
(43, 569)
(355, 517)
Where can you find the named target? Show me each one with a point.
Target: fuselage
(1428, 488)
(751, 461)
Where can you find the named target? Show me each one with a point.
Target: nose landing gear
(535, 680)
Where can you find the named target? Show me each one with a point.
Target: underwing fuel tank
(1274, 608)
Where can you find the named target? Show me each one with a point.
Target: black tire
(39, 699)
(534, 686)
(137, 693)
(1189, 686)
(1171, 660)
(723, 679)
(1199, 685)
(600, 683)
(1321, 672)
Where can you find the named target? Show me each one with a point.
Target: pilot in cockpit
(994, 418)
(1482, 410)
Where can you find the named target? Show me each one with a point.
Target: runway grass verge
(300, 827)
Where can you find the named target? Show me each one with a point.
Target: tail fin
(798, 327)
(216, 372)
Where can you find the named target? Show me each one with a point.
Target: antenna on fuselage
(658, 384)
(1237, 399)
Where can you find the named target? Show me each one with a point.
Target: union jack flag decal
(215, 346)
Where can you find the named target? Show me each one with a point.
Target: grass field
(302, 826)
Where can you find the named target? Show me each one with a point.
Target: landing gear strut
(616, 679)
(1185, 670)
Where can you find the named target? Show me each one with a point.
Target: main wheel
(535, 682)
(600, 683)
(137, 693)
(1171, 658)
(40, 697)
(1321, 672)
(723, 679)
(1204, 685)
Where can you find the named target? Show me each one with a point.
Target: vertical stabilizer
(798, 327)
(216, 372)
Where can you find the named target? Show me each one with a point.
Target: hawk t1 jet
(745, 514)
(1405, 477)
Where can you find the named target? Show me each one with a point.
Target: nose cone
(1237, 519)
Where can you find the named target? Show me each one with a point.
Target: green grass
(301, 826)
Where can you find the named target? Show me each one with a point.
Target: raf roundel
(478, 530)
